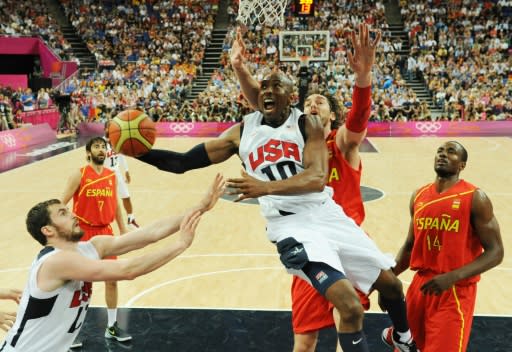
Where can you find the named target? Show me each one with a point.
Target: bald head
(463, 151)
(275, 97)
(281, 77)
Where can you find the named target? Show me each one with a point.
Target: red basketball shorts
(310, 310)
(440, 323)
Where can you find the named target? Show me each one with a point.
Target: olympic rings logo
(428, 127)
(8, 139)
(181, 127)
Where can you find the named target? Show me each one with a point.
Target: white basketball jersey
(270, 154)
(113, 160)
(50, 321)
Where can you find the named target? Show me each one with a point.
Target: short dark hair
(464, 156)
(333, 104)
(38, 217)
(94, 140)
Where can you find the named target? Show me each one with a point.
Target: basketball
(132, 133)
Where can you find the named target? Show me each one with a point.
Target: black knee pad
(322, 276)
(292, 253)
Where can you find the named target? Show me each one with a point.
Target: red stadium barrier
(20, 138)
(375, 129)
(36, 117)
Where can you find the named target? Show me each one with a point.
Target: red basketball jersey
(95, 201)
(443, 235)
(345, 181)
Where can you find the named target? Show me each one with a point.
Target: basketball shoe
(116, 333)
(392, 340)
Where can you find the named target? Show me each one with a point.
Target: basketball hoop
(268, 12)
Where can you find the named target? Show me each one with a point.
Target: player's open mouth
(268, 104)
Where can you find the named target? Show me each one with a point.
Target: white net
(269, 12)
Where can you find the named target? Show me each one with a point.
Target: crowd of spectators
(31, 18)
(462, 50)
(161, 33)
(393, 99)
(150, 52)
(14, 102)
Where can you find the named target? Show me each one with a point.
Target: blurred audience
(150, 52)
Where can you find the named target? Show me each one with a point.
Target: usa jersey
(270, 154)
(443, 235)
(95, 200)
(345, 181)
(50, 321)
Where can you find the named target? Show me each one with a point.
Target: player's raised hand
(216, 189)
(10, 293)
(362, 58)
(188, 227)
(237, 54)
(247, 187)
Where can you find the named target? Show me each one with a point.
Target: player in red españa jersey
(453, 238)
(95, 204)
(310, 310)
(100, 190)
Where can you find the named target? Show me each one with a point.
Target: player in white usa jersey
(42, 313)
(285, 159)
(55, 300)
(115, 162)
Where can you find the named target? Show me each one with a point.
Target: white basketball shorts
(329, 236)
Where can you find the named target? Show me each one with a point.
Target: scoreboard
(304, 8)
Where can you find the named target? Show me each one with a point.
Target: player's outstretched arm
(250, 87)
(70, 265)
(202, 155)
(361, 60)
(117, 245)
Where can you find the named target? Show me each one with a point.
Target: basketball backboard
(295, 44)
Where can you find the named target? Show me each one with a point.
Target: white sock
(131, 217)
(404, 336)
(112, 316)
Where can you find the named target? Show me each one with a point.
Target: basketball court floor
(228, 291)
